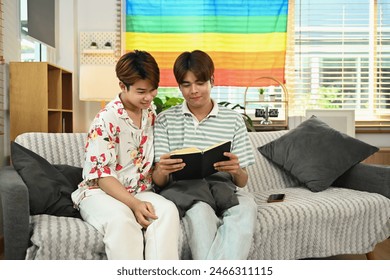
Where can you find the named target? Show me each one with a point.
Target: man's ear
(212, 80)
(122, 86)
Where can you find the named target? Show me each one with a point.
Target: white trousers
(124, 238)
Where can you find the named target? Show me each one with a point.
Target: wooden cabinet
(382, 157)
(41, 98)
(274, 98)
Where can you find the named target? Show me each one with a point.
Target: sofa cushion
(316, 154)
(265, 175)
(49, 186)
(83, 241)
(315, 225)
(366, 177)
(49, 234)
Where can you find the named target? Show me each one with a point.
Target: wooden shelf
(276, 125)
(41, 98)
(253, 101)
(98, 51)
(382, 157)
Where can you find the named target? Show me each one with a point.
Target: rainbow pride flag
(246, 38)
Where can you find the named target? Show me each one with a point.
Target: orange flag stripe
(225, 77)
(230, 60)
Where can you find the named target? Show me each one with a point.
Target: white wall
(76, 16)
(100, 18)
(96, 15)
(375, 139)
(67, 56)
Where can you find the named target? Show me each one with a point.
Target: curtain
(245, 38)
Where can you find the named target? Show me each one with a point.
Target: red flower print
(99, 131)
(118, 167)
(98, 165)
(115, 133)
(143, 140)
(119, 106)
(151, 117)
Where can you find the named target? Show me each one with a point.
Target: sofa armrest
(366, 177)
(16, 213)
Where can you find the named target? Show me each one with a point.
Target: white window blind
(340, 57)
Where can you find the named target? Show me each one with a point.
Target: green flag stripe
(206, 24)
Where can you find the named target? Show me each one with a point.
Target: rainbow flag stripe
(245, 38)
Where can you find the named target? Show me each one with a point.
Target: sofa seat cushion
(66, 238)
(306, 224)
(311, 224)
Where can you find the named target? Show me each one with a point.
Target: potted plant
(161, 105)
(261, 94)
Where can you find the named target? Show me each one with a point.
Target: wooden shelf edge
(98, 51)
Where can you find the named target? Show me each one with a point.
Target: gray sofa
(306, 225)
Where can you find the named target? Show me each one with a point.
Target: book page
(190, 150)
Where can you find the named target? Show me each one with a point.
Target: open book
(199, 163)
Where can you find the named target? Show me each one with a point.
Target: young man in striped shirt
(200, 122)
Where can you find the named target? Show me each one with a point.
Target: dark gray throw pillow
(366, 177)
(49, 186)
(316, 154)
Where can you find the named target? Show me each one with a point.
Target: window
(31, 48)
(341, 58)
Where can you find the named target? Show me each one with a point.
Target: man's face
(195, 92)
(140, 94)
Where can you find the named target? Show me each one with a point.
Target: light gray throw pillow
(316, 154)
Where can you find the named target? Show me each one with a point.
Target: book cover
(199, 163)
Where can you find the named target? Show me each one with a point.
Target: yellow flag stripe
(270, 42)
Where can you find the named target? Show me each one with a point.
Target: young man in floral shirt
(116, 194)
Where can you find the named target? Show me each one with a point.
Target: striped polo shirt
(177, 128)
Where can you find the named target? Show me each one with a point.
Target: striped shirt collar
(213, 112)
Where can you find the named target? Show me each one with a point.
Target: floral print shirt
(116, 147)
